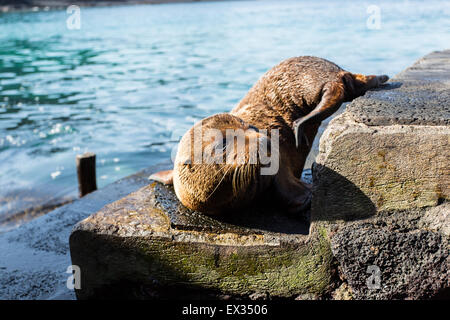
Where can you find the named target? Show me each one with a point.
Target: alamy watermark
(74, 280)
(73, 21)
(374, 20)
(234, 146)
(374, 280)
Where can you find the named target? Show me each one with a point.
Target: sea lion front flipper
(300, 134)
(292, 192)
(332, 98)
(165, 177)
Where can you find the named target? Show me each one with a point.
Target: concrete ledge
(361, 170)
(382, 184)
(147, 245)
(419, 95)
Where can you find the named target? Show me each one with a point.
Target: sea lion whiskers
(220, 181)
(242, 177)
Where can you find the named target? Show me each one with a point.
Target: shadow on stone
(131, 273)
(134, 271)
(349, 204)
(266, 216)
(155, 267)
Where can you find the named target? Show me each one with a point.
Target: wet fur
(293, 97)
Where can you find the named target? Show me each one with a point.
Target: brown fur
(211, 187)
(293, 97)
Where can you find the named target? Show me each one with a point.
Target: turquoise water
(133, 79)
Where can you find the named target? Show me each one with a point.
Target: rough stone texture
(382, 185)
(390, 149)
(379, 198)
(148, 245)
(362, 169)
(413, 260)
(420, 95)
(437, 219)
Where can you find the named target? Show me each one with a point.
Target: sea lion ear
(165, 177)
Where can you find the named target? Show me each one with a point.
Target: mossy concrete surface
(133, 249)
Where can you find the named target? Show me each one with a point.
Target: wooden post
(87, 181)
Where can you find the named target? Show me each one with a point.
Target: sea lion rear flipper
(332, 98)
(363, 83)
(165, 177)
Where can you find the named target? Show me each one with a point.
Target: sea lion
(293, 97)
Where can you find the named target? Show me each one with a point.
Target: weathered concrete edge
(344, 130)
(163, 258)
(227, 270)
(418, 95)
(403, 156)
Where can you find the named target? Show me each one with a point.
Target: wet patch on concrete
(15, 285)
(34, 257)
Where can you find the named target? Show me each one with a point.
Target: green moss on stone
(280, 271)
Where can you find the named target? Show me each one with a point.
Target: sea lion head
(217, 166)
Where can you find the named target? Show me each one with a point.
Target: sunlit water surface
(133, 79)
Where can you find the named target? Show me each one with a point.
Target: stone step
(381, 184)
(148, 245)
(390, 149)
